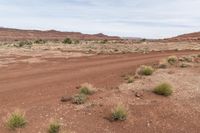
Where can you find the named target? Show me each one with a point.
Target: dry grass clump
(188, 59)
(16, 120)
(145, 70)
(164, 89)
(54, 127)
(184, 65)
(119, 113)
(87, 89)
(172, 60)
(130, 79)
(79, 98)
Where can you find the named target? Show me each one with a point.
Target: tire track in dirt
(52, 78)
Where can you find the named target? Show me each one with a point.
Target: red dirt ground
(37, 88)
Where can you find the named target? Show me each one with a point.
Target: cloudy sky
(133, 18)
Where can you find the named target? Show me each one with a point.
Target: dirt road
(37, 88)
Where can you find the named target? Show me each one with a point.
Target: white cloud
(140, 18)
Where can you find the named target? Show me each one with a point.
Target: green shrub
(129, 79)
(87, 89)
(16, 120)
(40, 41)
(54, 127)
(146, 70)
(172, 60)
(104, 41)
(76, 42)
(163, 89)
(143, 40)
(24, 43)
(67, 41)
(119, 113)
(79, 98)
(184, 65)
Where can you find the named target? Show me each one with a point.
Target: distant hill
(8, 34)
(186, 37)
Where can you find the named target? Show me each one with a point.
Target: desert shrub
(146, 70)
(184, 65)
(76, 42)
(54, 127)
(40, 41)
(87, 89)
(119, 113)
(172, 60)
(129, 79)
(16, 120)
(143, 40)
(188, 59)
(24, 43)
(163, 89)
(67, 41)
(79, 98)
(104, 41)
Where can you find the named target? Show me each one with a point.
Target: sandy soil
(36, 88)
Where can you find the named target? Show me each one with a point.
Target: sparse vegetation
(87, 89)
(163, 89)
(146, 70)
(119, 113)
(54, 127)
(67, 41)
(76, 42)
(24, 43)
(16, 120)
(188, 58)
(104, 41)
(129, 79)
(172, 60)
(143, 40)
(40, 41)
(79, 98)
(184, 65)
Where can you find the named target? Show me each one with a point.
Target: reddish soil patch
(37, 88)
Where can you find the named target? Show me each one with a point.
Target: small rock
(139, 94)
(65, 99)
(78, 87)
(171, 72)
